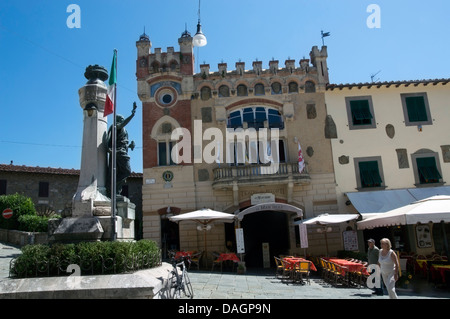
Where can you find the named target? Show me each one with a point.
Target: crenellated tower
(288, 97)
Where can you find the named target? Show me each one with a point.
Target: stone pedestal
(126, 210)
(77, 229)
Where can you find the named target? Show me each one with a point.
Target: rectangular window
(427, 169)
(2, 186)
(165, 154)
(370, 175)
(416, 109)
(360, 112)
(43, 189)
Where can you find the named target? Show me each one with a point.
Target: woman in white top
(389, 266)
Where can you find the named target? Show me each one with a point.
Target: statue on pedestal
(123, 169)
(92, 218)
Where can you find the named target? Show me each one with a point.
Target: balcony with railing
(259, 174)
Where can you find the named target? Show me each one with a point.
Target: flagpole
(113, 160)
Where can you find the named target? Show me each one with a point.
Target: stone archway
(271, 207)
(267, 223)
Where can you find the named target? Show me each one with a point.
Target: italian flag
(109, 104)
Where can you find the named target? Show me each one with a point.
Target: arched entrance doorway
(267, 223)
(265, 227)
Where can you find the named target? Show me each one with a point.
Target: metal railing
(258, 170)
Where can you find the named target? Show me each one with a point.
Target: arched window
(293, 87)
(155, 67)
(173, 66)
(224, 91)
(310, 87)
(162, 133)
(255, 117)
(276, 88)
(205, 93)
(242, 90)
(259, 89)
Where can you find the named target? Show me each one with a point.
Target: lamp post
(325, 230)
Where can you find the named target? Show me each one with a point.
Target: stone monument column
(91, 185)
(91, 218)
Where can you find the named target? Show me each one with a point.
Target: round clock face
(166, 96)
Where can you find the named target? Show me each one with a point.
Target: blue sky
(42, 60)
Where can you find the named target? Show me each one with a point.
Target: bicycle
(179, 283)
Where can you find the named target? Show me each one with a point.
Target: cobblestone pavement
(7, 252)
(262, 284)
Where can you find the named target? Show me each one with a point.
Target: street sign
(7, 213)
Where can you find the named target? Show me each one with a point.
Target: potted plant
(241, 268)
(405, 280)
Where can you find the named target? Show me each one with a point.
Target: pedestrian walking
(389, 267)
(372, 257)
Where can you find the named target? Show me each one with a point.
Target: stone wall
(21, 238)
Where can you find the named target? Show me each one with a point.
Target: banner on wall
(303, 236)
(350, 240)
(240, 241)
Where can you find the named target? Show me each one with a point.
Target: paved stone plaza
(261, 284)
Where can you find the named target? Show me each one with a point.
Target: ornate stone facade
(290, 98)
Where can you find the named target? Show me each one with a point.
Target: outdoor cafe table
(439, 269)
(224, 257)
(424, 265)
(229, 256)
(293, 260)
(350, 265)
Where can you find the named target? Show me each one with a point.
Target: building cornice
(387, 84)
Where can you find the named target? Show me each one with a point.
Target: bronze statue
(123, 168)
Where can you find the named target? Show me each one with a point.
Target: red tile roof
(46, 170)
(331, 87)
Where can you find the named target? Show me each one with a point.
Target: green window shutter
(428, 172)
(361, 112)
(416, 109)
(369, 173)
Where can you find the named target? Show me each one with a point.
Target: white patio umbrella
(204, 217)
(328, 219)
(433, 209)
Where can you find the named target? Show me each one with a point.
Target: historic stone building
(287, 99)
(52, 189)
